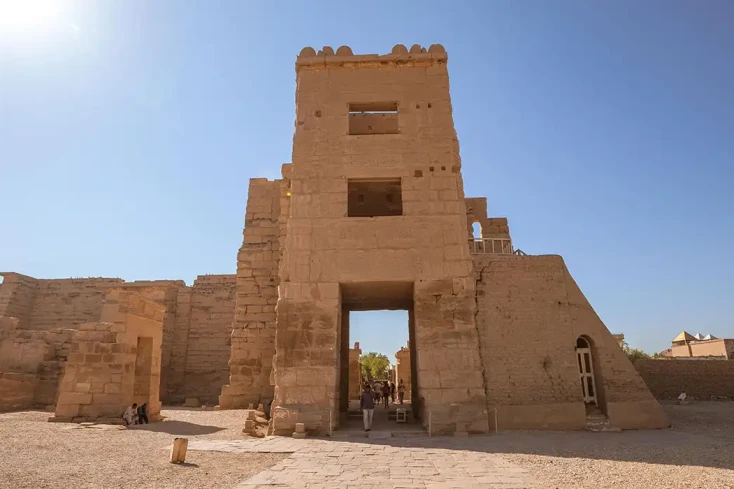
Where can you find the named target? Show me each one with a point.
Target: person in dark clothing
(367, 404)
(143, 413)
(386, 394)
(392, 391)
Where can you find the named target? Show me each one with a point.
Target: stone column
(403, 370)
(449, 368)
(355, 372)
(307, 357)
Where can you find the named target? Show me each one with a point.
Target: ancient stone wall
(16, 297)
(39, 355)
(48, 312)
(530, 313)
(699, 379)
(212, 305)
(115, 361)
(491, 227)
(64, 303)
(253, 329)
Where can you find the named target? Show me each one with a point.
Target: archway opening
(476, 230)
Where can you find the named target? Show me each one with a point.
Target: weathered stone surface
(371, 214)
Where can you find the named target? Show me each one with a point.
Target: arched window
(476, 230)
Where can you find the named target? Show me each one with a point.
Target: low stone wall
(699, 379)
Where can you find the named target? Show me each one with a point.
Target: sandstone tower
(371, 214)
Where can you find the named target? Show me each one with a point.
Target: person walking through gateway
(401, 391)
(386, 394)
(392, 391)
(367, 404)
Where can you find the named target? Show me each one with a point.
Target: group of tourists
(379, 391)
(136, 414)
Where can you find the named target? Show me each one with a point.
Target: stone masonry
(35, 345)
(403, 371)
(115, 361)
(371, 214)
(355, 372)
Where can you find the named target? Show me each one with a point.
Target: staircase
(597, 421)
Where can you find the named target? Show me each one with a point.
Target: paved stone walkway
(416, 462)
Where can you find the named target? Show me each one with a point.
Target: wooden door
(586, 374)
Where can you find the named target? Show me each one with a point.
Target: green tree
(634, 353)
(374, 365)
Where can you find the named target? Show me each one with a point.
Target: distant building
(687, 345)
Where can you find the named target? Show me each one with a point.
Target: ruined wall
(491, 227)
(63, 303)
(530, 313)
(699, 379)
(212, 304)
(253, 329)
(195, 347)
(102, 375)
(16, 297)
(37, 355)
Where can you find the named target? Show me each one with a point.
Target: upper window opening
(476, 230)
(373, 118)
(372, 198)
(582, 343)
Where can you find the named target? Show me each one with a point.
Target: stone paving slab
(425, 463)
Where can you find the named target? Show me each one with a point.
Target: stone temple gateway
(371, 214)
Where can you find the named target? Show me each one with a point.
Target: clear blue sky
(603, 130)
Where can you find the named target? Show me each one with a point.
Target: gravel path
(38, 454)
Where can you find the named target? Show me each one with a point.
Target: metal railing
(497, 246)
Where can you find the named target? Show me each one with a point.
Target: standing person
(386, 394)
(131, 414)
(367, 404)
(401, 391)
(392, 391)
(143, 414)
(376, 392)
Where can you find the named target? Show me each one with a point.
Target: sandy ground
(697, 453)
(38, 454)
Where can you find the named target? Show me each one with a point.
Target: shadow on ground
(177, 428)
(702, 435)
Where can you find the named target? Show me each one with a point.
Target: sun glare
(28, 13)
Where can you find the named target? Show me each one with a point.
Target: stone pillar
(307, 357)
(355, 372)
(345, 356)
(449, 369)
(403, 371)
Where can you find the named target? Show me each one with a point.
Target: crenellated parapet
(343, 56)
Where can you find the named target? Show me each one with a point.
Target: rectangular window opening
(372, 198)
(373, 118)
